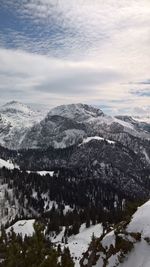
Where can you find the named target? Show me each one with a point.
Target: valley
(76, 171)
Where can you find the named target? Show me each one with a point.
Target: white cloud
(92, 50)
(35, 78)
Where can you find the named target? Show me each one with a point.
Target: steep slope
(124, 246)
(95, 158)
(79, 112)
(137, 124)
(78, 243)
(15, 120)
(67, 125)
(63, 126)
(55, 131)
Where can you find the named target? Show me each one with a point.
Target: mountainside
(75, 171)
(67, 125)
(83, 142)
(126, 245)
(139, 125)
(63, 126)
(15, 119)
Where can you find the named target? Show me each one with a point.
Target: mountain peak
(77, 111)
(15, 106)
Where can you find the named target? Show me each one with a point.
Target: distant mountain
(138, 124)
(15, 119)
(16, 107)
(145, 118)
(64, 126)
(68, 125)
(78, 112)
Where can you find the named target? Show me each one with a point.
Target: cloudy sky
(68, 51)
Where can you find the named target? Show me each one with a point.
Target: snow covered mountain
(142, 118)
(68, 125)
(83, 168)
(15, 119)
(139, 125)
(64, 126)
(101, 245)
(79, 112)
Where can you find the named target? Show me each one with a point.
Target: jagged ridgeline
(67, 125)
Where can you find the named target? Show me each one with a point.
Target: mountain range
(82, 139)
(66, 125)
(76, 170)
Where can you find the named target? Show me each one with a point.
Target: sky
(57, 52)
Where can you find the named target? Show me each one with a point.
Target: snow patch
(8, 164)
(109, 239)
(141, 220)
(139, 257)
(23, 227)
(78, 244)
(88, 139)
(43, 173)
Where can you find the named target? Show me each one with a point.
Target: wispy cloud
(54, 77)
(145, 82)
(72, 51)
(141, 92)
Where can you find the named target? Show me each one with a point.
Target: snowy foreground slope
(124, 246)
(140, 256)
(77, 244)
(141, 220)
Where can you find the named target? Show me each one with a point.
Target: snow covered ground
(88, 139)
(15, 119)
(23, 227)
(141, 220)
(139, 256)
(7, 164)
(109, 239)
(43, 173)
(78, 244)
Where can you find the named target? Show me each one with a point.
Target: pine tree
(66, 260)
